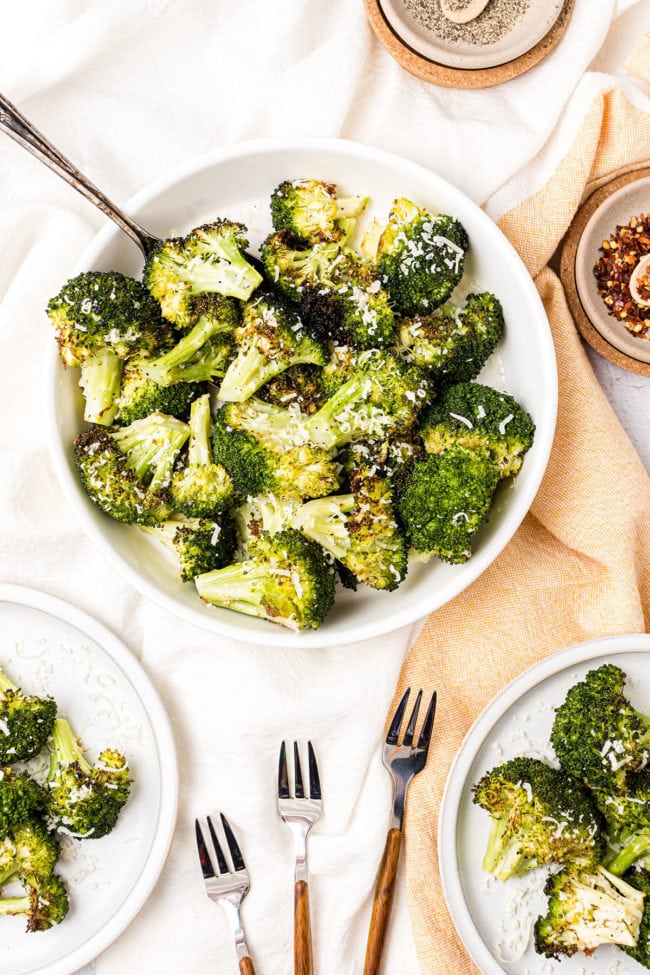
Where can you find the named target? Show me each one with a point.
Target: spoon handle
(21, 130)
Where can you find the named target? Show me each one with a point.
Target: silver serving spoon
(463, 15)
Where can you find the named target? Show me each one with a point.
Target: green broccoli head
(29, 850)
(298, 386)
(640, 880)
(208, 260)
(597, 735)
(382, 398)
(82, 799)
(113, 486)
(201, 488)
(445, 499)
(272, 339)
(140, 396)
(289, 267)
(206, 347)
(286, 580)
(198, 544)
(587, 909)
(20, 796)
(25, 723)
(454, 344)
(482, 419)
(310, 210)
(260, 447)
(420, 258)
(539, 815)
(44, 903)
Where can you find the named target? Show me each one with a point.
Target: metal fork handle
(382, 902)
(303, 959)
(21, 130)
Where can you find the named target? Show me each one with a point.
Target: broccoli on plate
(43, 904)
(25, 722)
(20, 797)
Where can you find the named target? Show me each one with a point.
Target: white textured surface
(629, 394)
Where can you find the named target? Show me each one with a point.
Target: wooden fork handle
(382, 902)
(303, 963)
(246, 966)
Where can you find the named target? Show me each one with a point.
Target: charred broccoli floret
(445, 499)
(640, 880)
(420, 257)
(597, 735)
(383, 397)
(285, 580)
(259, 445)
(482, 419)
(301, 386)
(272, 339)
(205, 349)
(311, 211)
(539, 815)
(140, 395)
(25, 722)
(628, 822)
(360, 531)
(151, 446)
(100, 318)
(20, 797)
(199, 544)
(29, 850)
(82, 799)
(44, 903)
(208, 260)
(201, 488)
(454, 344)
(262, 513)
(587, 909)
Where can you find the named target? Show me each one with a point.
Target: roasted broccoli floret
(628, 822)
(151, 446)
(201, 488)
(300, 386)
(597, 735)
(260, 447)
(539, 815)
(340, 296)
(82, 799)
(262, 513)
(420, 257)
(640, 880)
(25, 722)
(44, 903)
(199, 544)
(29, 850)
(140, 395)
(311, 211)
(272, 339)
(20, 797)
(209, 260)
(445, 499)
(285, 580)
(360, 531)
(587, 909)
(207, 343)
(100, 318)
(454, 344)
(112, 485)
(482, 419)
(382, 398)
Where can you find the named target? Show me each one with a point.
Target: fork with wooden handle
(403, 762)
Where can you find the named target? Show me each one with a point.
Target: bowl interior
(237, 183)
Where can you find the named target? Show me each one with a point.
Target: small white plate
(50, 647)
(525, 33)
(493, 919)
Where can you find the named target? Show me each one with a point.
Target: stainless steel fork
(403, 762)
(226, 883)
(300, 810)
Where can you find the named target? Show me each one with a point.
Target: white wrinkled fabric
(130, 89)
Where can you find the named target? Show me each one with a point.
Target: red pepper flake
(620, 255)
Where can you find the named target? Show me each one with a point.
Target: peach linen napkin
(579, 566)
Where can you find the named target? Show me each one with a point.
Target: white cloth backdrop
(129, 90)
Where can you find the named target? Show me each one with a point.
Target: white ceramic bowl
(236, 182)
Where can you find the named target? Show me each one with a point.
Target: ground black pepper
(497, 20)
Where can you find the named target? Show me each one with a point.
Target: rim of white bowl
(356, 632)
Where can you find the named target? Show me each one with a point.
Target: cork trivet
(568, 273)
(447, 77)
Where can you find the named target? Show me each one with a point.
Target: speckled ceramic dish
(627, 202)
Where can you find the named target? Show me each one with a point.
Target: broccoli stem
(241, 587)
(6, 684)
(247, 373)
(223, 270)
(66, 749)
(630, 853)
(162, 369)
(151, 446)
(15, 905)
(502, 857)
(101, 375)
(199, 453)
(324, 520)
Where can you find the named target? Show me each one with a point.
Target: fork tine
(299, 790)
(283, 774)
(427, 727)
(410, 730)
(314, 781)
(235, 852)
(396, 723)
(221, 860)
(204, 857)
